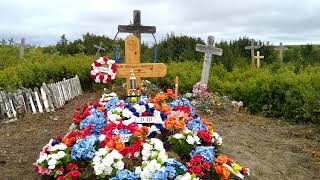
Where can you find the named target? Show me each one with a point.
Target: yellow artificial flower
(236, 167)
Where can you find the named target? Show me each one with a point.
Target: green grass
(276, 90)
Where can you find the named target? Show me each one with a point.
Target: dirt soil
(273, 149)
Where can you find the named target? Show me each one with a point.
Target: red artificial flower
(72, 166)
(73, 174)
(197, 165)
(205, 136)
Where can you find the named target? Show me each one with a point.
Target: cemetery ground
(272, 148)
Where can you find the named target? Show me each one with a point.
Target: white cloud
(291, 21)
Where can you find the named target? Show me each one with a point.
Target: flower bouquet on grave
(160, 138)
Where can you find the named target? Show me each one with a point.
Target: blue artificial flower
(124, 175)
(121, 131)
(159, 174)
(176, 164)
(207, 152)
(113, 103)
(84, 149)
(170, 172)
(97, 121)
(144, 99)
(182, 102)
(196, 125)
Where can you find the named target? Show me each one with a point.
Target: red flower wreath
(103, 70)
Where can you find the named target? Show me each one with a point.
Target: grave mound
(144, 138)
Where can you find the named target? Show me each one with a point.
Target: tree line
(182, 48)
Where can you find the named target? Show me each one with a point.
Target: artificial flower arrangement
(103, 70)
(207, 102)
(156, 138)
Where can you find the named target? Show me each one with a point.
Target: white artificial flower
(52, 163)
(42, 158)
(100, 60)
(196, 139)
(119, 165)
(117, 109)
(113, 94)
(151, 105)
(154, 128)
(138, 170)
(96, 160)
(110, 62)
(108, 160)
(108, 170)
(146, 147)
(101, 152)
(136, 154)
(178, 136)
(61, 154)
(162, 156)
(190, 140)
(126, 113)
(127, 122)
(98, 169)
(115, 154)
(102, 137)
(187, 131)
(158, 144)
(113, 117)
(60, 146)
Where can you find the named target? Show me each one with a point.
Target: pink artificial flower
(43, 171)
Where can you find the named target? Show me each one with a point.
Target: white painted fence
(46, 99)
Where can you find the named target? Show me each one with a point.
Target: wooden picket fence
(46, 99)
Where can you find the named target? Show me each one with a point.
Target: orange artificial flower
(119, 146)
(110, 144)
(69, 141)
(157, 107)
(166, 109)
(101, 108)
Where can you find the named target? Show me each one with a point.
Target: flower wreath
(103, 70)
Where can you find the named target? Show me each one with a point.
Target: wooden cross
(280, 49)
(136, 28)
(99, 48)
(11, 41)
(3, 42)
(208, 49)
(258, 57)
(252, 47)
(22, 46)
(132, 61)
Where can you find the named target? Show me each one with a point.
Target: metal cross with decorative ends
(136, 28)
(132, 61)
(208, 49)
(280, 49)
(11, 41)
(99, 48)
(252, 47)
(22, 45)
(3, 42)
(258, 57)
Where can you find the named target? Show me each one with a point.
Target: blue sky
(43, 22)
